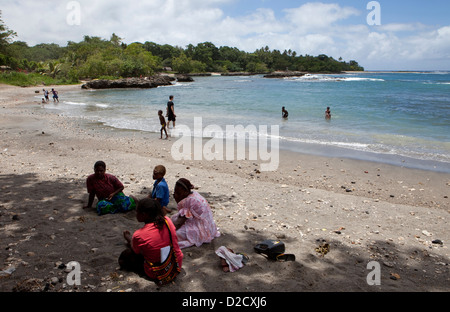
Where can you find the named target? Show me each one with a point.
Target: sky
(380, 35)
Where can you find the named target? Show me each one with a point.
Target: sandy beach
(365, 211)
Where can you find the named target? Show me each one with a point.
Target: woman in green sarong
(109, 191)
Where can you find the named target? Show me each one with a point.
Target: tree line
(95, 57)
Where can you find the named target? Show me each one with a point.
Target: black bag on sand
(274, 250)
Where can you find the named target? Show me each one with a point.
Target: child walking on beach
(55, 95)
(160, 190)
(45, 95)
(162, 120)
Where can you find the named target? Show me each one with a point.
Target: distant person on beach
(171, 112)
(109, 191)
(152, 250)
(160, 190)
(284, 113)
(162, 120)
(55, 95)
(194, 221)
(328, 113)
(46, 95)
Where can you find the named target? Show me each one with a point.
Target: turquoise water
(375, 116)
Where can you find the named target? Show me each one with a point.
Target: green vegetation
(32, 79)
(95, 57)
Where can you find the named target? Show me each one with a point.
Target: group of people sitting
(155, 249)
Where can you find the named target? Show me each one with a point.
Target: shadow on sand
(43, 227)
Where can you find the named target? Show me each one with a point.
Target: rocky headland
(285, 74)
(142, 83)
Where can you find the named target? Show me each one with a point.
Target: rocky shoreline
(166, 80)
(285, 74)
(141, 83)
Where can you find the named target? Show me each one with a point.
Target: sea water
(379, 116)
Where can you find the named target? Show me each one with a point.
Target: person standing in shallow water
(328, 113)
(284, 113)
(171, 112)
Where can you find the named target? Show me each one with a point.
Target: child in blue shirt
(160, 190)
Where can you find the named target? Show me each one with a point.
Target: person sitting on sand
(153, 244)
(328, 113)
(162, 120)
(284, 113)
(109, 191)
(194, 220)
(160, 190)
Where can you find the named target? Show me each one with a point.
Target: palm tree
(6, 34)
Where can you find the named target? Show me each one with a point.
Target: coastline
(385, 213)
(370, 157)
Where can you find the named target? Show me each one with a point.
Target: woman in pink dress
(194, 221)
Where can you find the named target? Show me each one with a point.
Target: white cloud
(260, 22)
(402, 27)
(313, 28)
(317, 16)
(166, 21)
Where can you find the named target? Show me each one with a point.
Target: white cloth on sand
(234, 261)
